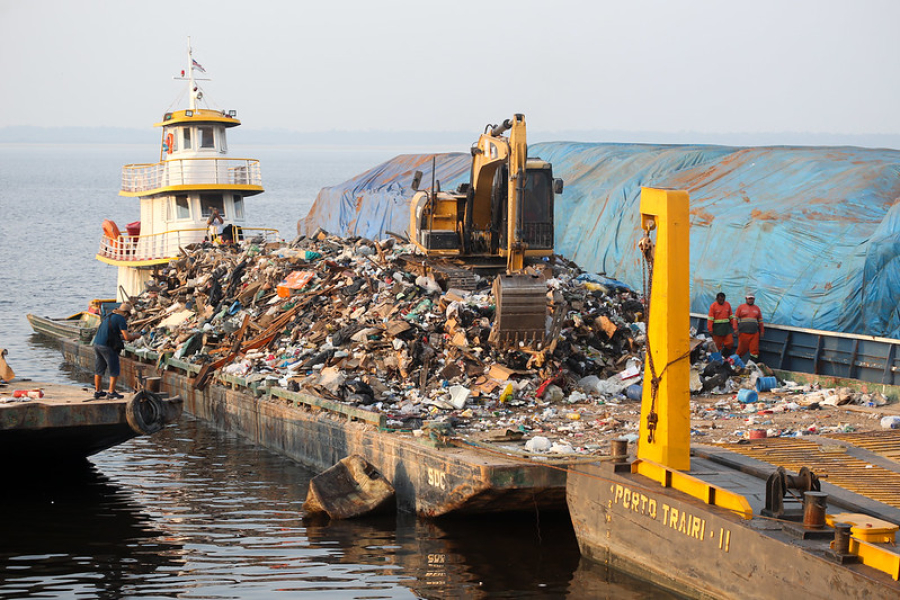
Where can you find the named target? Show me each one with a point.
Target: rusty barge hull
(429, 480)
(631, 523)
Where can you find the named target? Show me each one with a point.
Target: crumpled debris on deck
(350, 321)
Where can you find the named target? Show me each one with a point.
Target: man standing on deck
(109, 340)
(749, 327)
(721, 325)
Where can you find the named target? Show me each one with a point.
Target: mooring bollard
(841, 544)
(814, 506)
(619, 450)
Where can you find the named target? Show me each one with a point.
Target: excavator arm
(506, 211)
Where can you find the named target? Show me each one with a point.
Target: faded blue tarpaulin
(813, 231)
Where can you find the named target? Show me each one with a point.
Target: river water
(192, 512)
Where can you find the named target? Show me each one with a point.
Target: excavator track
(447, 274)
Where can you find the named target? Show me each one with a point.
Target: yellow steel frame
(668, 337)
(690, 485)
(877, 557)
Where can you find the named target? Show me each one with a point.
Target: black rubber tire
(145, 413)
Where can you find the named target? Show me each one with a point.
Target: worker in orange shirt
(749, 327)
(721, 325)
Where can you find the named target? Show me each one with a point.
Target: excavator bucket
(521, 317)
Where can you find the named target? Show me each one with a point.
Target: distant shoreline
(455, 140)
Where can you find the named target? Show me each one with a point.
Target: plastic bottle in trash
(33, 394)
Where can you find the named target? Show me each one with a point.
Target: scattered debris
(353, 321)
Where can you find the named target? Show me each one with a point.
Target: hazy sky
(709, 66)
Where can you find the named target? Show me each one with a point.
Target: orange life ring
(170, 143)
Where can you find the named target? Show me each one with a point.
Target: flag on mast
(197, 66)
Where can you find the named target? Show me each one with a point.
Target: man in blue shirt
(109, 340)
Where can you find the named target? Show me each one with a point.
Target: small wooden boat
(80, 326)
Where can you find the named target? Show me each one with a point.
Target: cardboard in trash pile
(350, 320)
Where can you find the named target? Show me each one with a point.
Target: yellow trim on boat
(877, 557)
(135, 263)
(690, 485)
(254, 189)
(200, 115)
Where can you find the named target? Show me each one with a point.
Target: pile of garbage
(357, 321)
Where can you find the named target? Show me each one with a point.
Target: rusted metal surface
(428, 480)
(700, 551)
(883, 443)
(67, 423)
(351, 488)
(829, 461)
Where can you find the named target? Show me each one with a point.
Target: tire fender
(145, 413)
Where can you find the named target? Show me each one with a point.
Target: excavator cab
(536, 210)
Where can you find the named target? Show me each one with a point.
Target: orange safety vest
(749, 319)
(721, 319)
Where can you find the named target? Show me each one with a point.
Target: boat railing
(190, 171)
(166, 245)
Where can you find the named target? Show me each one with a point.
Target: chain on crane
(648, 250)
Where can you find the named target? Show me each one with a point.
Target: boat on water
(193, 179)
(79, 326)
(713, 523)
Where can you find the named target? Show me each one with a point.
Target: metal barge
(844, 358)
(430, 476)
(709, 523)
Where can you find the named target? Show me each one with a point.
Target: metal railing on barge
(180, 172)
(841, 355)
(164, 246)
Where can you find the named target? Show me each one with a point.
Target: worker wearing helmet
(720, 324)
(749, 327)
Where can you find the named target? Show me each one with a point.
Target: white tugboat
(193, 180)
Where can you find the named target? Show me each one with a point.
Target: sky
(700, 66)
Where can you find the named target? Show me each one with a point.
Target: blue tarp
(813, 231)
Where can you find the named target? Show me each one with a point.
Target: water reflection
(196, 513)
(73, 530)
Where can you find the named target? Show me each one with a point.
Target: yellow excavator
(505, 211)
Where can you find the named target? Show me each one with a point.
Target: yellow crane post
(665, 429)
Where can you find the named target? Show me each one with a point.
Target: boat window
(182, 207)
(223, 146)
(209, 201)
(207, 137)
(238, 206)
(186, 134)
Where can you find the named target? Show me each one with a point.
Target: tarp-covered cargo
(813, 231)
